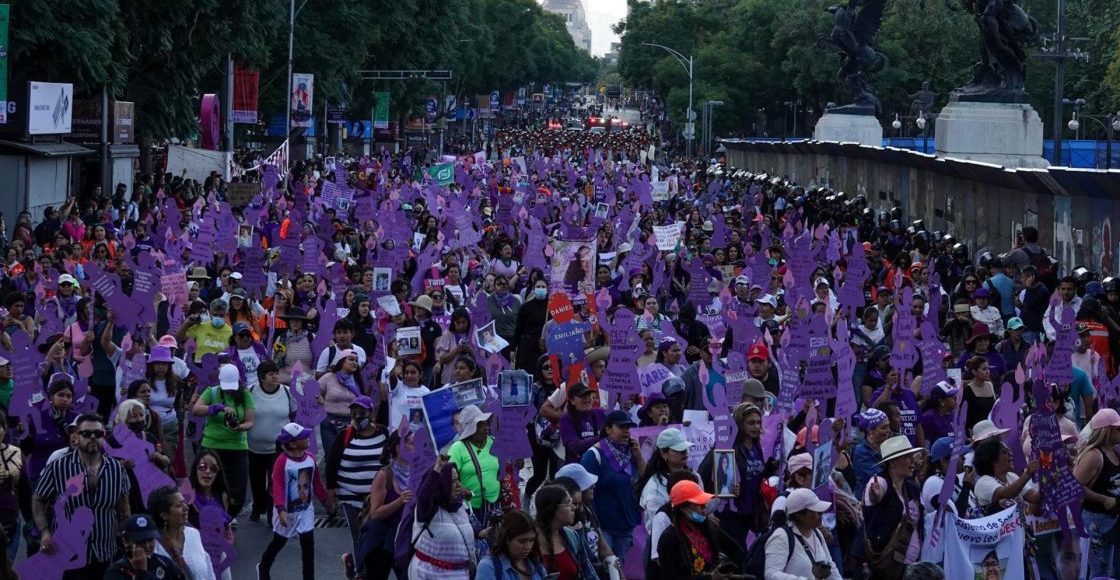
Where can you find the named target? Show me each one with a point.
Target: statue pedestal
(850, 124)
(1005, 134)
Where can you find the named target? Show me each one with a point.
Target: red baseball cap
(758, 350)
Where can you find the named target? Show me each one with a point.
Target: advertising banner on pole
(302, 99)
(381, 110)
(246, 91)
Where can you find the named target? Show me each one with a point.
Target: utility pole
(229, 103)
(1058, 49)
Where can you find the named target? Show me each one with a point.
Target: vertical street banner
(302, 99)
(381, 110)
(431, 110)
(4, 13)
(246, 91)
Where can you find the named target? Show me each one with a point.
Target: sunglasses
(87, 434)
(207, 468)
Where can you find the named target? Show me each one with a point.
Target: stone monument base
(1005, 134)
(851, 124)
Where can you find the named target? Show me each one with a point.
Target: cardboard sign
(667, 237)
(242, 194)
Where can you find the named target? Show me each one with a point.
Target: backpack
(404, 545)
(1041, 262)
(755, 561)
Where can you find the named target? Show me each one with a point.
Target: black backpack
(755, 566)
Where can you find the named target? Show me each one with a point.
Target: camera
(231, 421)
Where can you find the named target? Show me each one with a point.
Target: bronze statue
(1005, 30)
(855, 31)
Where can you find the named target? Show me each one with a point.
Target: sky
(601, 15)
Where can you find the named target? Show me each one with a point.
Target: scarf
(347, 380)
(618, 457)
(699, 547)
(401, 474)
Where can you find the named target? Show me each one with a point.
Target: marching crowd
(139, 444)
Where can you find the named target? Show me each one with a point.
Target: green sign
(381, 110)
(4, 13)
(443, 174)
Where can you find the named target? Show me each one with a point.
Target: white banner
(988, 547)
(667, 236)
(50, 108)
(660, 191)
(197, 164)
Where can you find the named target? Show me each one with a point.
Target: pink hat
(168, 341)
(1105, 418)
(799, 462)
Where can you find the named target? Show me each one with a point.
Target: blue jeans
(619, 541)
(1103, 557)
(329, 430)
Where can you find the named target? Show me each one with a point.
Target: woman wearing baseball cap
(810, 556)
(617, 460)
(692, 545)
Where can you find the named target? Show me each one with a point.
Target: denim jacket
(500, 567)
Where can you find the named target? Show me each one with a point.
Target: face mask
(363, 423)
(217, 322)
(540, 293)
(697, 517)
(773, 262)
(136, 426)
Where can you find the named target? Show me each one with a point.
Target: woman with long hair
(361, 314)
(208, 481)
(341, 386)
(444, 538)
(544, 431)
(228, 408)
(528, 332)
(747, 510)
(293, 344)
(1098, 470)
(514, 553)
(167, 397)
(388, 494)
(454, 343)
(562, 552)
(652, 488)
(979, 392)
(178, 540)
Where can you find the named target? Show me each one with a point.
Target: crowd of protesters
(215, 383)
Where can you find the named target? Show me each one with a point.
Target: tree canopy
(164, 56)
(767, 60)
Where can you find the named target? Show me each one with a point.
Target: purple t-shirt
(580, 431)
(908, 408)
(935, 425)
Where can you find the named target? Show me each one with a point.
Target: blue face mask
(217, 322)
(540, 293)
(697, 517)
(773, 262)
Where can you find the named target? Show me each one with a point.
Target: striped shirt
(101, 500)
(356, 466)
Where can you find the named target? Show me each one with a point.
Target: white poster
(660, 190)
(408, 340)
(667, 236)
(50, 108)
(988, 547)
(302, 99)
(196, 164)
(701, 431)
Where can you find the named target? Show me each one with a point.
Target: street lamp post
(1111, 124)
(896, 125)
(923, 126)
(690, 128)
(291, 45)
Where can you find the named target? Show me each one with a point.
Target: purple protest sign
(139, 452)
(1060, 369)
(904, 355)
(845, 366)
(202, 247)
(621, 378)
(27, 389)
(1055, 474)
(309, 411)
(818, 383)
(212, 522)
(1005, 414)
(70, 538)
(127, 310)
(510, 442)
(932, 352)
(960, 447)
